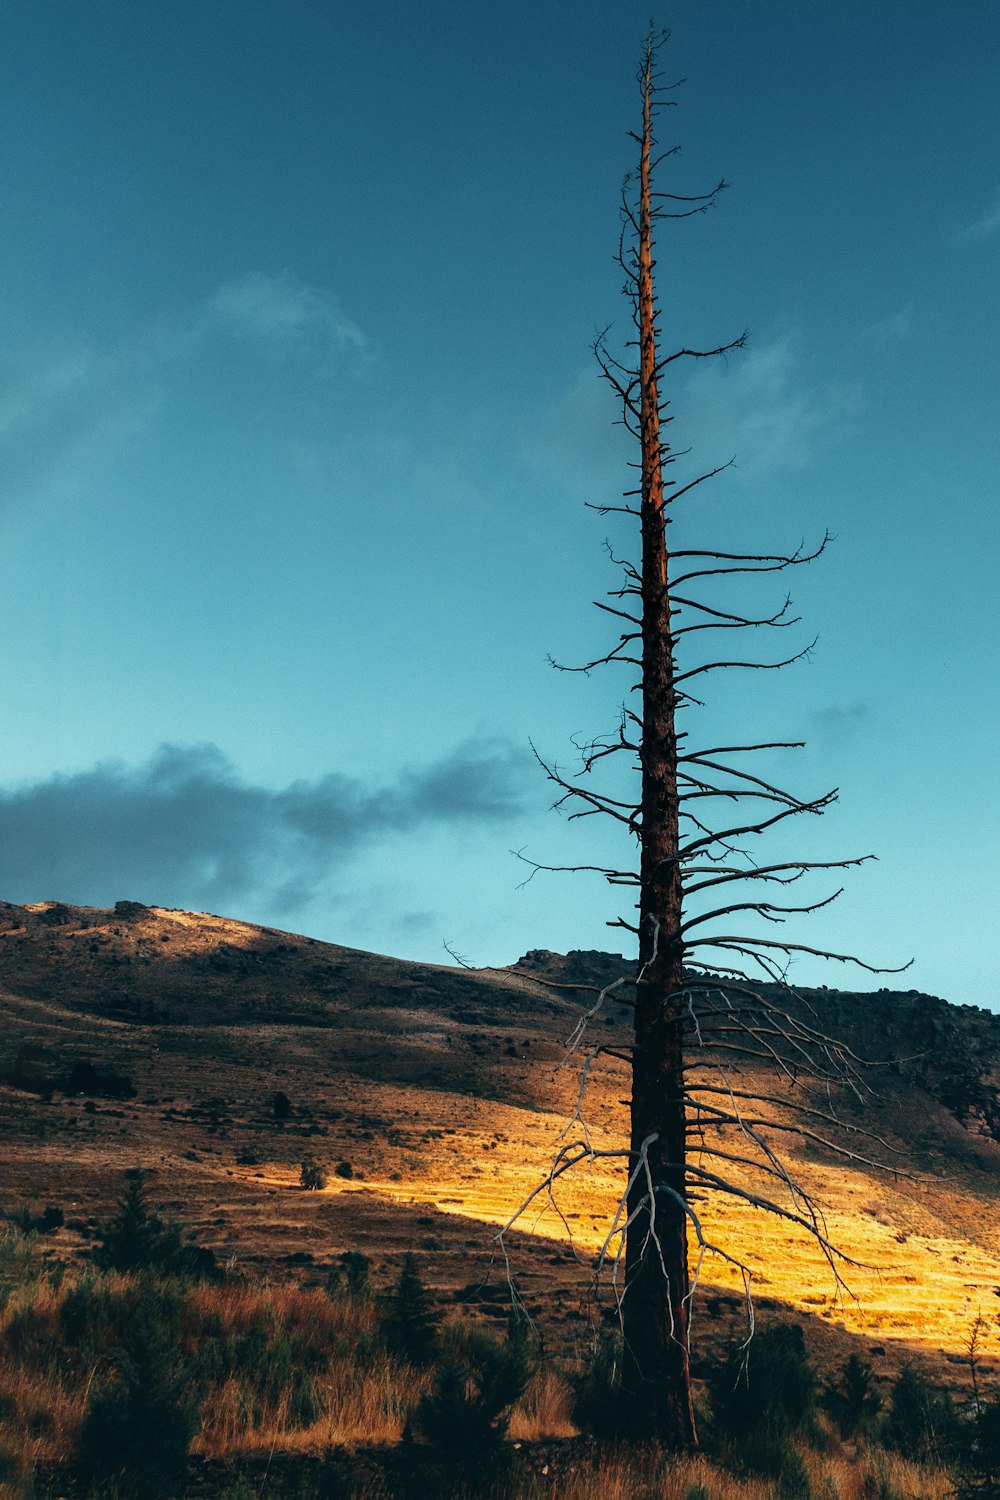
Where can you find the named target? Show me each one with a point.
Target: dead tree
(709, 1004)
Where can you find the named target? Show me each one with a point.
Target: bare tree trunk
(657, 1379)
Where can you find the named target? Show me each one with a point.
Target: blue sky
(298, 420)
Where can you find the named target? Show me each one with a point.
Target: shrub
(49, 1220)
(598, 1405)
(140, 1423)
(349, 1275)
(851, 1400)
(410, 1325)
(762, 1394)
(921, 1422)
(281, 1105)
(312, 1176)
(85, 1078)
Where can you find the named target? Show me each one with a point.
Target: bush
(140, 1423)
(85, 1078)
(312, 1176)
(281, 1105)
(349, 1275)
(47, 1222)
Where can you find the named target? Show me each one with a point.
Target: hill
(436, 1098)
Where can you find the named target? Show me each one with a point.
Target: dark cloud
(185, 830)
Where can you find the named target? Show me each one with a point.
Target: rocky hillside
(219, 1055)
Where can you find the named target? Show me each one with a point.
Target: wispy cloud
(288, 315)
(67, 406)
(981, 228)
(764, 406)
(184, 829)
(63, 408)
(893, 329)
(576, 440)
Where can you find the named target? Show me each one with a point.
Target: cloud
(893, 329)
(839, 725)
(288, 315)
(67, 406)
(186, 830)
(577, 440)
(63, 407)
(980, 229)
(762, 405)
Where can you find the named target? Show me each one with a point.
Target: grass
(275, 1367)
(300, 1373)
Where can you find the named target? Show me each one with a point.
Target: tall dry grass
(280, 1369)
(276, 1368)
(623, 1474)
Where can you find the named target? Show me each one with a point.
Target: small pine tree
(981, 1463)
(762, 1394)
(852, 1400)
(464, 1417)
(599, 1392)
(410, 1325)
(139, 1424)
(137, 1239)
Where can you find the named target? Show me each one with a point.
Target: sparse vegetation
(121, 1375)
